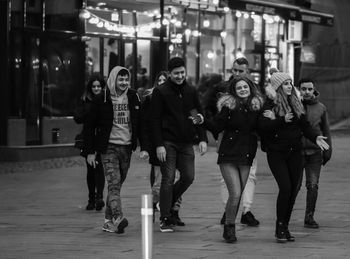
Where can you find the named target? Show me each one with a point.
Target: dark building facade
(50, 48)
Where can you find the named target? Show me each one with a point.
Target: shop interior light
(178, 24)
(195, 33)
(238, 14)
(210, 55)
(223, 34)
(165, 22)
(206, 23)
(171, 47)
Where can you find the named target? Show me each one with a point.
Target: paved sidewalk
(42, 215)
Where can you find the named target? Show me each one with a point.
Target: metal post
(147, 226)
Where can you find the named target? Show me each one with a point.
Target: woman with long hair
(281, 125)
(237, 118)
(95, 176)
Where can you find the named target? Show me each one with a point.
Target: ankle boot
(309, 221)
(91, 202)
(176, 218)
(280, 232)
(99, 202)
(230, 233)
(289, 236)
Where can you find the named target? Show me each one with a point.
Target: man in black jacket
(173, 132)
(111, 130)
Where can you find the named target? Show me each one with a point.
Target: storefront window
(93, 55)
(211, 52)
(62, 15)
(111, 55)
(16, 13)
(63, 72)
(34, 13)
(143, 73)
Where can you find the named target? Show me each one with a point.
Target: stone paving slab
(42, 215)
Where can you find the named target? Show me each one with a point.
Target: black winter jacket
(278, 135)
(171, 106)
(239, 142)
(100, 120)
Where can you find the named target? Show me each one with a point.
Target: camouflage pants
(116, 163)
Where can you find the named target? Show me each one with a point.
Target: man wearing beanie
(172, 106)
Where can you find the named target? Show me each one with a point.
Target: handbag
(79, 141)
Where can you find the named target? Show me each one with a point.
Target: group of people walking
(291, 124)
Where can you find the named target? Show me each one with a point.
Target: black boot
(223, 219)
(280, 232)
(230, 233)
(176, 218)
(91, 202)
(309, 221)
(99, 202)
(289, 236)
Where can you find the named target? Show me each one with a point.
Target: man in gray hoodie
(112, 130)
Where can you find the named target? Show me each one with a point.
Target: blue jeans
(180, 157)
(312, 164)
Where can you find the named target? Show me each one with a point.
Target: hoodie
(121, 129)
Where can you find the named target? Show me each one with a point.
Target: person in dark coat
(237, 117)
(95, 176)
(173, 134)
(149, 148)
(282, 125)
(313, 156)
(112, 130)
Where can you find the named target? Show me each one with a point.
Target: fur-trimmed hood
(229, 101)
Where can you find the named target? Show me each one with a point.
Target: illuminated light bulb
(210, 55)
(195, 33)
(277, 18)
(223, 34)
(226, 9)
(245, 16)
(100, 24)
(93, 20)
(171, 47)
(238, 14)
(165, 22)
(215, 2)
(265, 16)
(178, 24)
(84, 14)
(206, 23)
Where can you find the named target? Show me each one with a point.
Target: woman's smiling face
(242, 89)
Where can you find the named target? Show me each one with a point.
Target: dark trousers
(312, 165)
(95, 179)
(287, 169)
(180, 157)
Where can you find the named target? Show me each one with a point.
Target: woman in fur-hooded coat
(237, 118)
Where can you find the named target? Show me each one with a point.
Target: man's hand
(202, 146)
(161, 153)
(144, 155)
(197, 119)
(91, 160)
(320, 141)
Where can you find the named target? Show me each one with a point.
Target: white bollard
(147, 226)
